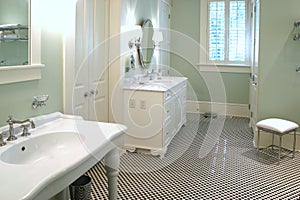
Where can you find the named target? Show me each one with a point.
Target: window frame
(204, 39)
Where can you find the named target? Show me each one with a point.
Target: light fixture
(157, 37)
(134, 41)
(136, 31)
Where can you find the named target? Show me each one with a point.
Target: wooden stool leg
(258, 136)
(294, 145)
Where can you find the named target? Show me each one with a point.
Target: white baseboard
(231, 109)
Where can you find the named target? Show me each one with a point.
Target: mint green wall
(140, 10)
(185, 18)
(279, 84)
(16, 98)
(14, 12)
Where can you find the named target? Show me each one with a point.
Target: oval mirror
(146, 47)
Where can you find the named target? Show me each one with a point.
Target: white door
(255, 63)
(90, 97)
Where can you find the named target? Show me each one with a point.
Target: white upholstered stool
(278, 127)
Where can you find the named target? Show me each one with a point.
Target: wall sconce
(297, 30)
(134, 41)
(157, 38)
(136, 31)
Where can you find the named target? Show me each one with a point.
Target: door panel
(99, 99)
(98, 70)
(91, 83)
(79, 103)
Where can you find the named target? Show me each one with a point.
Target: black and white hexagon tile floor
(231, 170)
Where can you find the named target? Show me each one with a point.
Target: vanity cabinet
(154, 113)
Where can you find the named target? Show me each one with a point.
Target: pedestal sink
(59, 150)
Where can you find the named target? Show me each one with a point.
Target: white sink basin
(41, 148)
(163, 81)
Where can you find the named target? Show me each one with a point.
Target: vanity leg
(112, 162)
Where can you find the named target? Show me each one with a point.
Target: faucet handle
(2, 143)
(10, 120)
(25, 129)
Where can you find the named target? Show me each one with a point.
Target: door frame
(253, 83)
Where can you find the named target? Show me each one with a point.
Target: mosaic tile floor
(204, 164)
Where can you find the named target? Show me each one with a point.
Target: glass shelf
(13, 32)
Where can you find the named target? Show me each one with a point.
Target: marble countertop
(163, 84)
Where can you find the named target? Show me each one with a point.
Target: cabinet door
(182, 98)
(180, 106)
(168, 131)
(144, 117)
(170, 117)
(178, 111)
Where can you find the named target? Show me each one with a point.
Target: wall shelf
(13, 32)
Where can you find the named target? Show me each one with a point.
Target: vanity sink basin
(163, 84)
(42, 148)
(163, 81)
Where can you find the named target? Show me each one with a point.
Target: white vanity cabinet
(154, 113)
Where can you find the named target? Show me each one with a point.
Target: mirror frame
(32, 71)
(144, 62)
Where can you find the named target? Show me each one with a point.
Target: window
(225, 31)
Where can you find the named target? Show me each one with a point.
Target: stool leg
(272, 140)
(279, 153)
(294, 145)
(258, 136)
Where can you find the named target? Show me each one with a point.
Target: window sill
(225, 68)
(12, 74)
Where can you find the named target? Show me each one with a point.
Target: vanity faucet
(151, 74)
(11, 123)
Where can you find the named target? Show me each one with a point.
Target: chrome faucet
(151, 74)
(11, 123)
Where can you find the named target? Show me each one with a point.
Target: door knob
(86, 94)
(94, 92)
